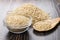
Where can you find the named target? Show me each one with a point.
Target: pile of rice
(33, 11)
(17, 18)
(16, 21)
(43, 25)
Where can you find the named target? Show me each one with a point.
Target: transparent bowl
(18, 30)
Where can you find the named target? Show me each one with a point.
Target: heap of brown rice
(16, 21)
(33, 11)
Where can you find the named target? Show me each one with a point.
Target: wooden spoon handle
(58, 19)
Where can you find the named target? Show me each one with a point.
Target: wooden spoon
(46, 24)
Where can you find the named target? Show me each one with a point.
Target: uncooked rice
(16, 21)
(43, 25)
(33, 11)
